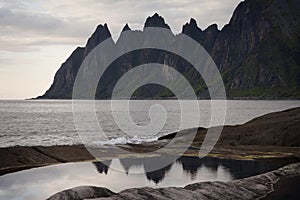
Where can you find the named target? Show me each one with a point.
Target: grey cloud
(36, 23)
(22, 31)
(33, 22)
(5, 61)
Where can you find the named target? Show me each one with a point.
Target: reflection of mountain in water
(246, 168)
(237, 168)
(151, 166)
(128, 163)
(158, 175)
(191, 165)
(102, 167)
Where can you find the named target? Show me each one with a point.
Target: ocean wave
(125, 140)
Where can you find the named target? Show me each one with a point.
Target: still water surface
(40, 183)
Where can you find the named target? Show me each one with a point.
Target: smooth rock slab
(82, 192)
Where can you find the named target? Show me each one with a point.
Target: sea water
(50, 122)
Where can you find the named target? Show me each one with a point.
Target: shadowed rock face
(156, 21)
(257, 53)
(274, 129)
(249, 188)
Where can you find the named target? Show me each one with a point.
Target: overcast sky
(36, 36)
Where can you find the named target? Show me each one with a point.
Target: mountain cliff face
(257, 53)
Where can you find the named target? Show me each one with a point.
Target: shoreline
(19, 158)
(272, 136)
(258, 98)
(44, 155)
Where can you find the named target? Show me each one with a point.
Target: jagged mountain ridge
(257, 53)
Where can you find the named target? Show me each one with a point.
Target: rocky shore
(274, 135)
(274, 129)
(19, 158)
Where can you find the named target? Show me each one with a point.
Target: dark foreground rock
(83, 192)
(274, 129)
(255, 187)
(19, 158)
(286, 188)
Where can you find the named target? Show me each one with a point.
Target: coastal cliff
(257, 53)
